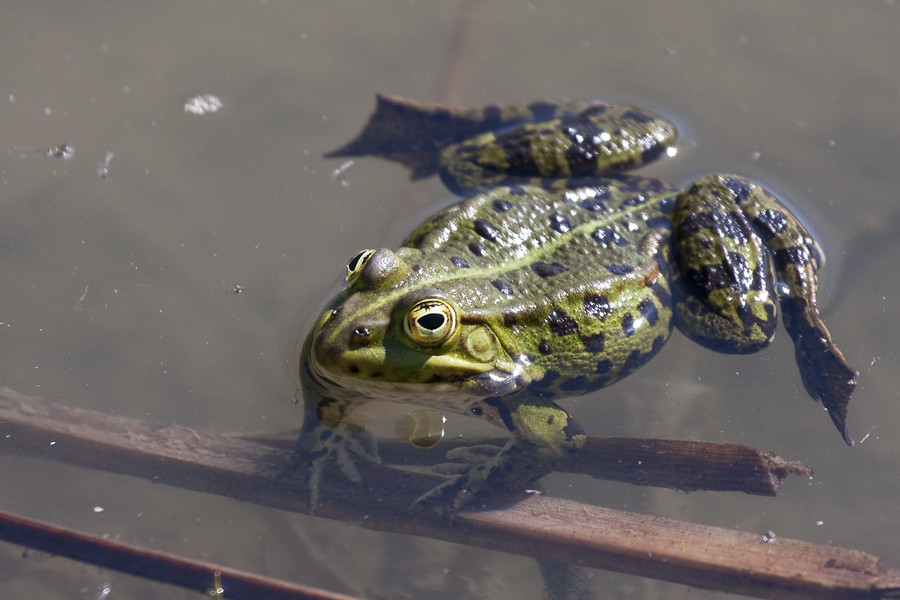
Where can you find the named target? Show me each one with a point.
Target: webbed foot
(343, 445)
(479, 471)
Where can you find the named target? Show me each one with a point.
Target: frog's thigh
(721, 272)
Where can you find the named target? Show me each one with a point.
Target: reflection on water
(116, 300)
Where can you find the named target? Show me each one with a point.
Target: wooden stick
(153, 564)
(545, 528)
(675, 464)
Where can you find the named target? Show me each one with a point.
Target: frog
(558, 273)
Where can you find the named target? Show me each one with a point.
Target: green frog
(557, 275)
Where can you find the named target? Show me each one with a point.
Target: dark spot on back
(592, 205)
(653, 152)
(584, 144)
(597, 305)
(728, 224)
(595, 109)
(517, 147)
(795, 255)
(459, 262)
(648, 311)
(477, 249)
(353, 369)
(603, 367)
(740, 189)
(608, 237)
(619, 269)
(544, 347)
(636, 200)
(628, 325)
(516, 190)
(560, 223)
(486, 230)
(769, 222)
(561, 324)
(547, 270)
(501, 285)
(662, 293)
(501, 206)
(733, 273)
(593, 343)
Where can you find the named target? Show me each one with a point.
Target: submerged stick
(545, 528)
(168, 568)
(675, 464)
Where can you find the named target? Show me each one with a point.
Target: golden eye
(430, 322)
(357, 264)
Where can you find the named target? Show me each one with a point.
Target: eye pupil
(431, 322)
(354, 262)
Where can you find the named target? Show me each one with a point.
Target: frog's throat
(455, 396)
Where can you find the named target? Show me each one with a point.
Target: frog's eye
(357, 264)
(430, 322)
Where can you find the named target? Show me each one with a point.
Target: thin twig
(153, 564)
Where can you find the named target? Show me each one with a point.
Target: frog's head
(393, 332)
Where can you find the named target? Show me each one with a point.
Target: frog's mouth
(455, 394)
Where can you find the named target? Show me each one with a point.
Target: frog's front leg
(329, 434)
(545, 435)
(725, 229)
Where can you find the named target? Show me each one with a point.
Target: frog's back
(574, 279)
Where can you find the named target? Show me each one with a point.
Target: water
(119, 290)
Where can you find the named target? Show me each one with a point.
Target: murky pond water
(120, 269)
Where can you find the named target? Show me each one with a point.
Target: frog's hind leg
(729, 236)
(721, 273)
(545, 435)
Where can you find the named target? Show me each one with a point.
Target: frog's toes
(345, 447)
(450, 496)
(464, 458)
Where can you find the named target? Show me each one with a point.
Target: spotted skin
(557, 276)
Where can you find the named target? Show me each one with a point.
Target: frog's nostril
(361, 336)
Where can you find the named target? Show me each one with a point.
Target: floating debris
(103, 169)
(63, 151)
(339, 173)
(202, 104)
(83, 296)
